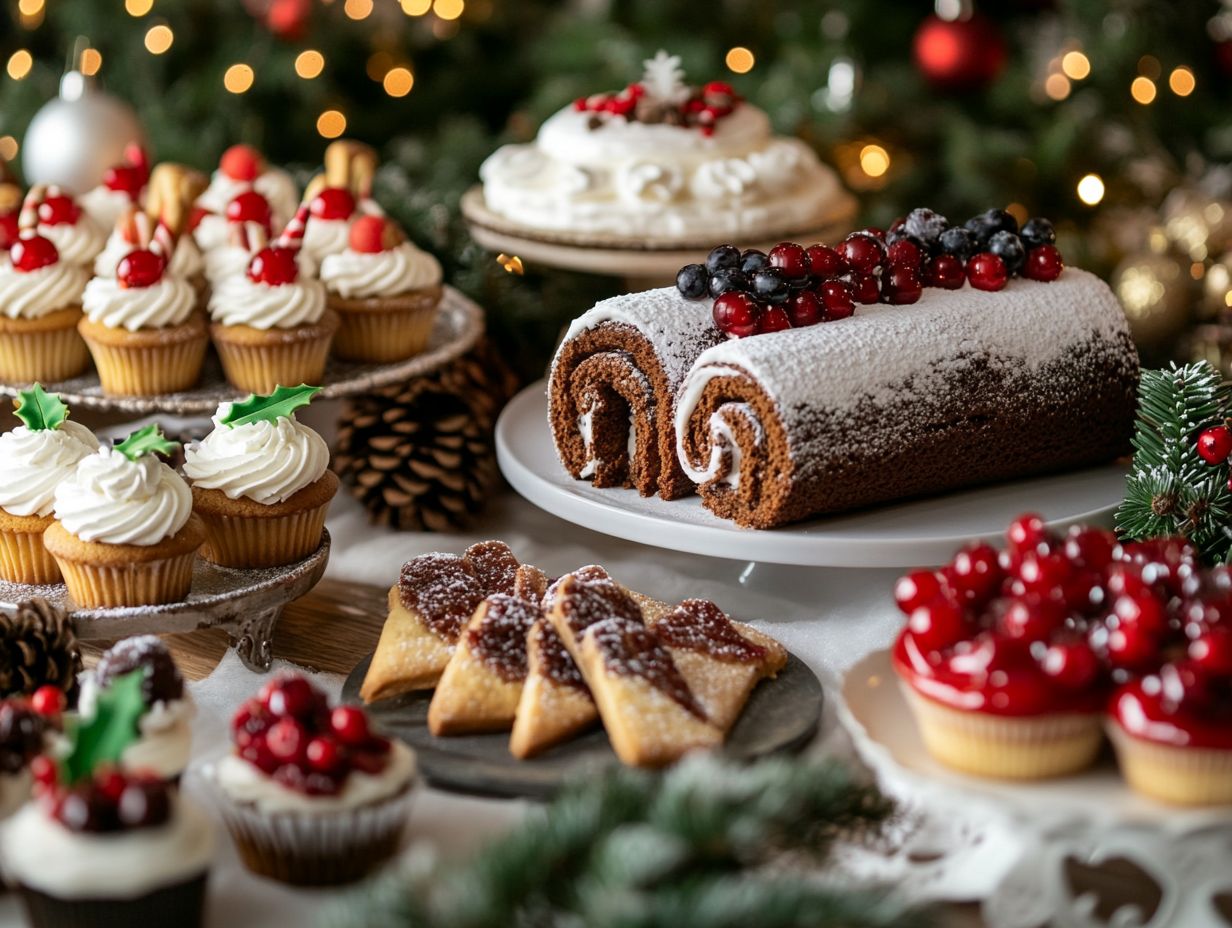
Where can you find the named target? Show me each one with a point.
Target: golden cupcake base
(258, 360)
(23, 556)
(148, 362)
(47, 349)
(380, 330)
(1184, 776)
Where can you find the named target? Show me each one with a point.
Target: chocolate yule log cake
(613, 385)
(964, 388)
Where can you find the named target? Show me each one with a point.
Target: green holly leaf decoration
(39, 410)
(149, 440)
(271, 407)
(104, 738)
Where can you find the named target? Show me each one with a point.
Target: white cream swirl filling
(113, 500)
(35, 462)
(275, 184)
(229, 260)
(384, 273)
(167, 303)
(323, 237)
(104, 205)
(78, 243)
(266, 462)
(236, 300)
(33, 294)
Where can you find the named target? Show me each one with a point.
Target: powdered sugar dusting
(699, 625)
(499, 637)
(445, 589)
(630, 649)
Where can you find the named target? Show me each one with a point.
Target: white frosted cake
(662, 162)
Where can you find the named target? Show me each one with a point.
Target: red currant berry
(242, 162)
(1143, 611)
(791, 259)
(368, 235)
(1215, 444)
(1131, 647)
(291, 697)
(1072, 664)
(836, 298)
(350, 725)
(250, 206)
(287, 740)
(1032, 617)
(1185, 684)
(875, 231)
(864, 287)
(944, 271)
(1090, 547)
(9, 229)
(1212, 651)
(333, 203)
(110, 783)
(905, 253)
(125, 178)
(44, 771)
(48, 700)
(901, 285)
(774, 319)
(937, 625)
(58, 210)
(33, 252)
(862, 252)
(325, 755)
(986, 271)
(1026, 533)
(1044, 572)
(140, 268)
(1043, 263)
(274, 266)
(805, 308)
(736, 314)
(916, 589)
(975, 572)
(825, 262)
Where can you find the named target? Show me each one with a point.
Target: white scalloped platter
(920, 532)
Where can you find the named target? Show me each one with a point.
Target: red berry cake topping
(162, 681)
(250, 206)
(290, 733)
(795, 286)
(58, 209)
(110, 800)
(274, 265)
(242, 162)
(140, 268)
(31, 252)
(333, 203)
(23, 729)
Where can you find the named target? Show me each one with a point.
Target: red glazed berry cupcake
(311, 795)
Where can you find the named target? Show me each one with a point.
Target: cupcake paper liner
(385, 329)
(1177, 775)
(147, 362)
(1007, 747)
(284, 356)
(49, 349)
(182, 905)
(241, 541)
(24, 559)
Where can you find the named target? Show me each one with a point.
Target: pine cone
(420, 456)
(38, 647)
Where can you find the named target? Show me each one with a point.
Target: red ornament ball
(48, 700)
(274, 266)
(1215, 444)
(125, 178)
(960, 54)
(140, 268)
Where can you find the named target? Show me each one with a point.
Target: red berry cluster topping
(140, 268)
(290, 733)
(274, 265)
(250, 206)
(332, 203)
(109, 801)
(31, 252)
(702, 108)
(24, 725)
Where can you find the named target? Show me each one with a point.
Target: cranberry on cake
(240, 169)
(122, 188)
(77, 237)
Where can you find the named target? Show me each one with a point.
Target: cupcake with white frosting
(270, 324)
(328, 811)
(261, 482)
(247, 232)
(125, 533)
(242, 168)
(384, 289)
(143, 328)
(122, 188)
(77, 237)
(40, 306)
(187, 262)
(35, 458)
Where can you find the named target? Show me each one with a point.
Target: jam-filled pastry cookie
(721, 660)
(555, 703)
(651, 716)
(435, 596)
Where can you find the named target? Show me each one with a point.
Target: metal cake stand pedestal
(246, 603)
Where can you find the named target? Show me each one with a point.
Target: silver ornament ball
(74, 138)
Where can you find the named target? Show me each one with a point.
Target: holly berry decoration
(332, 203)
(959, 54)
(1215, 444)
(290, 733)
(32, 252)
(251, 206)
(140, 268)
(274, 266)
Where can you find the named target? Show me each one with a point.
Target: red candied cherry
(125, 178)
(33, 252)
(1184, 683)
(825, 262)
(1130, 646)
(736, 314)
(273, 265)
(250, 206)
(287, 740)
(368, 234)
(837, 299)
(805, 308)
(242, 162)
(9, 229)
(986, 271)
(774, 319)
(110, 783)
(937, 625)
(791, 259)
(1072, 664)
(44, 771)
(975, 572)
(291, 697)
(905, 253)
(1090, 547)
(48, 700)
(1044, 571)
(864, 287)
(1026, 533)
(862, 252)
(901, 285)
(325, 754)
(1083, 590)
(1032, 617)
(332, 203)
(1142, 611)
(350, 725)
(1215, 444)
(1212, 651)
(260, 756)
(1043, 263)
(944, 271)
(140, 268)
(916, 589)
(989, 651)
(58, 210)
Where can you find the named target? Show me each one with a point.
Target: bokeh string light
(159, 39)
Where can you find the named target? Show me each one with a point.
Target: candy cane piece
(293, 235)
(28, 217)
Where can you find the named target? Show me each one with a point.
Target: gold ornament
(1199, 225)
(1156, 292)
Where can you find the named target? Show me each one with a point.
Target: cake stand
(907, 534)
(459, 323)
(643, 261)
(246, 603)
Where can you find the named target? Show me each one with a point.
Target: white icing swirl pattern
(394, 271)
(275, 184)
(236, 300)
(113, 500)
(230, 260)
(212, 231)
(645, 180)
(324, 237)
(726, 179)
(35, 462)
(33, 294)
(79, 243)
(186, 260)
(266, 462)
(168, 302)
(104, 205)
